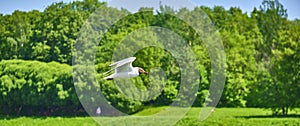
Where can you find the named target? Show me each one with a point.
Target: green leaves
(277, 60)
(35, 83)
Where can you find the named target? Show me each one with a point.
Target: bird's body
(124, 69)
(129, 74)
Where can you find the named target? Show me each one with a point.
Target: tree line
(262, 56)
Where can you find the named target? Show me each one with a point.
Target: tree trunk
(284, 111)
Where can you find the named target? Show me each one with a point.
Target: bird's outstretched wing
(121, 62)
(124, 65)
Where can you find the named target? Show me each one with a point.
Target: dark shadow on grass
(270, 116)
(41, 112)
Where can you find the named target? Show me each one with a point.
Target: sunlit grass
(48, 121)
(220, 117)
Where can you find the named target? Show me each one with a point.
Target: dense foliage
(32, 87)
(262, 56)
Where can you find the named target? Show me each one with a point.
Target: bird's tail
(108, 77)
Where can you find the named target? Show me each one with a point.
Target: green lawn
(220, 117)
(240, 117)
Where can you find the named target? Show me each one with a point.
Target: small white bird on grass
(124, 69)
(98, 111)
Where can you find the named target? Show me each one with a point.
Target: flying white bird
(124, 69)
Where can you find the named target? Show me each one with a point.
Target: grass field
(220, 117)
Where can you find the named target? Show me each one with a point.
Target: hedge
(36, 87)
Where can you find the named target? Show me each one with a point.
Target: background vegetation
(262, 58)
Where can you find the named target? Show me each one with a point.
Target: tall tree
(277, 59)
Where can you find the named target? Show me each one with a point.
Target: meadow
(220, 117)
(52, 63)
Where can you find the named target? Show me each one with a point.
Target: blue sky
(8, 6)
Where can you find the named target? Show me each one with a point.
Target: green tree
(239, 34)
(276, 58)
(32, 87)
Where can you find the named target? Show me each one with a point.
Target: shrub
(34, 85)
